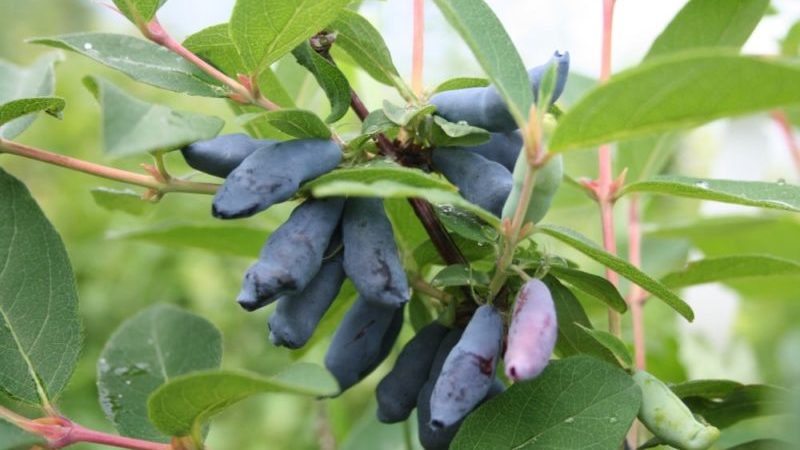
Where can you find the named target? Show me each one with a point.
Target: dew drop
(128, 382)
(569, 420)
(781, 181)
(613, 420)
(701, 185)
(87, 46)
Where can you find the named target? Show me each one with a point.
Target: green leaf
(460, 275)
(19, 83)
(418, 313)
(710, 23)
(237, 241)
(681, 91)
(298, 123)
(214, 45)
(711, 389)
(377, 122)
(612, 343)
(131, 126)
(730, 267)
(622, 267)
(405, 115)
(744, 402)
(146, 351)
(578, 402)
(484, 34)
(140, 12)
(141, 60)
(22, 107)
(368, 433)
(356, 36)
(126, 200)
(780, 195)
(596, 286)
(426, 252)
(13, 438)
(184, 404)
(329, 78)
(462, 134)
(394, 182)
(265, 30)
(764, 444)
(461, 83)
(790, 45)
(572, 318)
(40, 337)
(466, 225)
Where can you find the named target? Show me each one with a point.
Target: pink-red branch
(788, 134)
(418, 49)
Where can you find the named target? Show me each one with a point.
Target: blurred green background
(746, 331)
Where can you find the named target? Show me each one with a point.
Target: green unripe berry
(548, 180)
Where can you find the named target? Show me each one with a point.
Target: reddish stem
(788, 134)
(77, 434)
(418, 52)
(110, 173)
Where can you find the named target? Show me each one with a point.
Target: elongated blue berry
(296, 316)
(293, 253)
(219, 156)
(397, 392)
(483, 107)
(532, 333)
(482, 182)
(363, 339)
(468, 371)
(502, 148)
(272, 175)
(370, 253)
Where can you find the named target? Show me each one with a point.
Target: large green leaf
(356, 36)
(238, 241)
(148, 350)
(484, 34)
(22, 107)
(329, 78)
(141, 60)
(298, 123)
(622, 267)
(389, 181)
(40, 337)
(182, 406)
(576, 403)
(612, 344)
(572, 320)
(265, 30)
(127, 200)
(730, 267)
(779, 195)
(677, 92)
(790, 46)
(139, 11)
(744, 402)
(645, 157)
(214, 45)
(18, 83)
(710, 23)
(131, 126)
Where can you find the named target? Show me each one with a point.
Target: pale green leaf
(183, 405)
(576, 403)
(141, 60)
(13, 438)
(778, 195)
(461, 83)
(146, 351)
(622, 267)
(265, 30)
(298, 123)
(131, 126)
(462, 134)
(484, 34)
(460, 275)
(126, 200)
(710, 23)
(40, 337)
(790, 45)
(727, 268)
(214, 45)
(16, 83)
(677, 92)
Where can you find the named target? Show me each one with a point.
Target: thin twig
(109, 173)
(636, 294)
